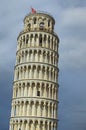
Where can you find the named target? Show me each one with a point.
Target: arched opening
(41, 25)
(38, 93)
(40, 40)
(24, 39)
(27, 38)
(34, 20)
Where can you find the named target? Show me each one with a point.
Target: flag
(33, 10)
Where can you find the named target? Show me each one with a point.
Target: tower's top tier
(39, 21)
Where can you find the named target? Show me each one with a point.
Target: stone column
(53, 44)
(49, 110)
(27, 126)
(53, 75)
(44, 109)
(38, 125)
(46, 73)
(45, 91)
(18, 126)
(28, 56)
(49, 91)
(50, 59)
(56, 93)
(35, 91)
(23, 109)
(40, 73)
(30, 74)
(21, 91)
(52, 126)
(50, 74)
(41, 56)
(35, 73)
(26, 73)
(52, 110)
(55, 111)
(46, 57)
(28, 109)
(46, 41)
(53, 91)
(39, 109)
(16, 109)
(25, 92)
(43, 125)
(20, 111)
(33, 126)
(34, 108)
(22, 126)
(20, 74)
(48, 126)
(56, 76)
(28, 90)
(53, 58)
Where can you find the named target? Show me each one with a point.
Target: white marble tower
(35, 86)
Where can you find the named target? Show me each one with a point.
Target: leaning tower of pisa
(35, 86)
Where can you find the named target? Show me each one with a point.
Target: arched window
(34, 20)
(41, 25)
(38, 93)
(40, 40)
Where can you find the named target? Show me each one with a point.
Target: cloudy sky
(70, 16)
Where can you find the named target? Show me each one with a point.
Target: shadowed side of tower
(35, 87)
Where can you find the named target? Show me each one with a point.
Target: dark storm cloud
(6, 78)
(72, 99)
(70, 25)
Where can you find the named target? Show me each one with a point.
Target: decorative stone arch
(39, 19)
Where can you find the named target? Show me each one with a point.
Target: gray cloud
(73, 3)
(73, 37)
